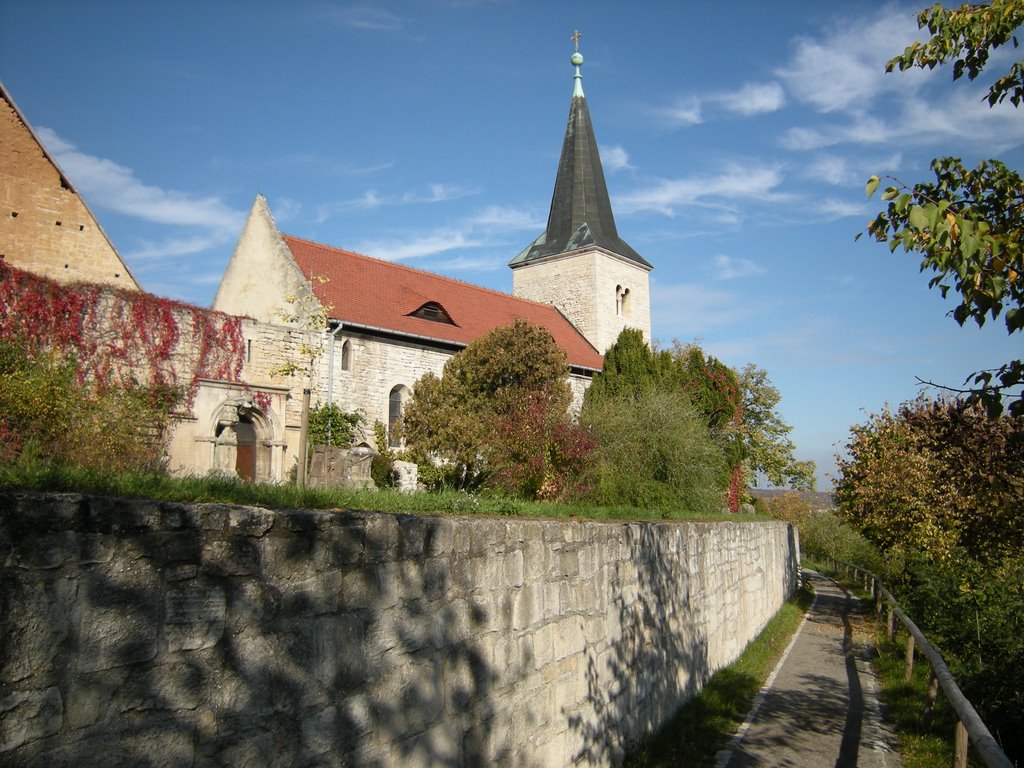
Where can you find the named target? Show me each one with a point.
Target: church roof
(581, 211)
(383, 296)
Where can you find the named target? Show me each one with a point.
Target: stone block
(237, 556)
(119, 615)
(86, 704)
(27, 716)
(194, 615)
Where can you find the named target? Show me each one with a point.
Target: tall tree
(460, 423)
(967, 224)
(765, 436)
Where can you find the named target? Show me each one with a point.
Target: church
(358, 332)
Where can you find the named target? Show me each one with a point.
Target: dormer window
(434, 312)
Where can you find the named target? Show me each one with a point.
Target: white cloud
(367, 18)
(685, 111)
(830, 169)
(831, 208)
(729, 268)
(844, 69)
(615, 158)
(754, 99)
(736, 181)
(107, 184)
(113, 186)
(371, 199)
(503, 218)
(439, 241)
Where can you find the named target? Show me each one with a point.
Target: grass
(919, 746)
(212, 488)
(705, 723)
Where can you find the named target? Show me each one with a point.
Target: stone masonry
(164, 634)
(45, 226)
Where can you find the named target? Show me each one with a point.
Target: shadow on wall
(158, 634)
(657, 654)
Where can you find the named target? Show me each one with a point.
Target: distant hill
(820, 501)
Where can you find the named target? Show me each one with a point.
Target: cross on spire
(575, 37)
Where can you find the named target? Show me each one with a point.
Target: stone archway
(243, 440)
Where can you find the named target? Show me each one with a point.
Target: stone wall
(162, 634)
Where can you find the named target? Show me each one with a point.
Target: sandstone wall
(160, 634)
(45, 226)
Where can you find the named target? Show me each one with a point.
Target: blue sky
(736, 139)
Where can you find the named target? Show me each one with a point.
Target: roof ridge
(406, 267)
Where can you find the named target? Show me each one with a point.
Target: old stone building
(45, 225)
(389, 324)
(357, 331)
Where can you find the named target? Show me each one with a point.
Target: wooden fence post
(960, 751)
(908, 666)
(933, 694)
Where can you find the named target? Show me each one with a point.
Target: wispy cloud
(729, 268)
(107, 184)
(496, 217)
(431, 244)
(615, 158)
(372, 199)
(753, 99)
(832, 208)
(685, 111)
(735, 181)
(368, 18)
(843, 68)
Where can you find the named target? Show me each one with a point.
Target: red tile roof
(381, 294)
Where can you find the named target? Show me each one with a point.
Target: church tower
(579, 263)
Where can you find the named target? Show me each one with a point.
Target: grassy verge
(708, 721)
(919, 746)
(226, 490)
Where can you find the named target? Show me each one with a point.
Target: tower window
(346, 356)
(622, 301)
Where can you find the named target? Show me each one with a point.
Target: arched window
(395, 400)
(346, 356)
(621, 301)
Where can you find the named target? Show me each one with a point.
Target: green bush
(329, 425)
(47, 417)
(654, 451)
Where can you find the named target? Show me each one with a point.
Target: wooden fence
(969, 727)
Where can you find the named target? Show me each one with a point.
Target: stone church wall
(583, 287)
(167, 634)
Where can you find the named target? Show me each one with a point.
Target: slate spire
(581, 212)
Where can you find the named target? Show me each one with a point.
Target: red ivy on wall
(119, 337)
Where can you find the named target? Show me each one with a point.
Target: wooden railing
(969, 727)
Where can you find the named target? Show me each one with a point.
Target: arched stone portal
(243, 439)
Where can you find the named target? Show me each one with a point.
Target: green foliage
(631, 367)
(47, 418)
(473, 421)
(974, 614)
(936, 477)
(764, 435)
(381, 465)
(967, 224)
(329, 425)
(966, 36)
(654, 451)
